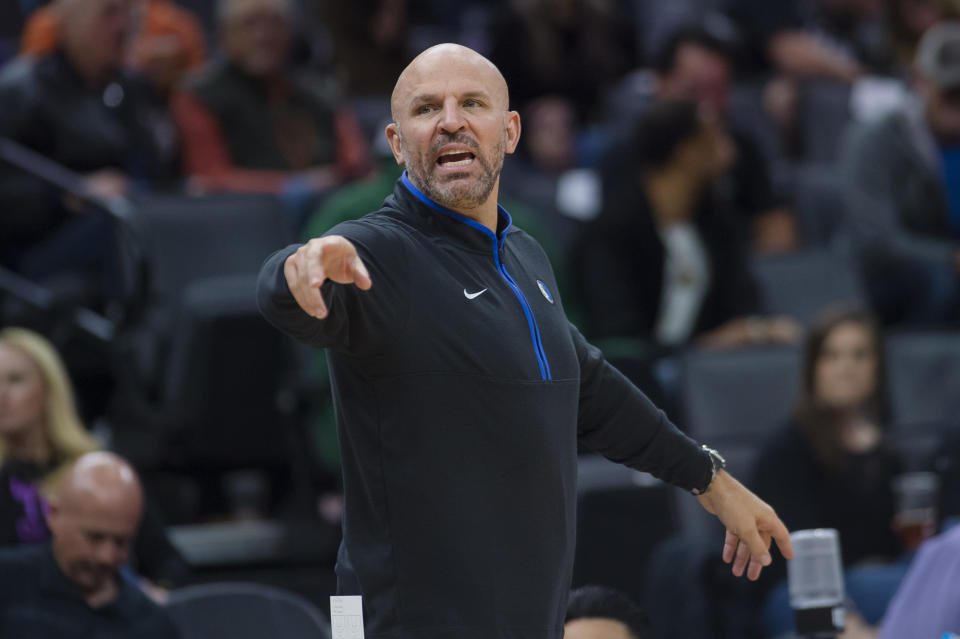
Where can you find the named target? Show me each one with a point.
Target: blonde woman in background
(41, 434)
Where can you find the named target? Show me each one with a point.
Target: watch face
(715, 457)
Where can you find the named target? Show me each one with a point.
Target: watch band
(717, 463)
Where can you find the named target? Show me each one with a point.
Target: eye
(95, 537)
(423, 109)
(471, 102)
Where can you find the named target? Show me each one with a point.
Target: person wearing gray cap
(901, 177)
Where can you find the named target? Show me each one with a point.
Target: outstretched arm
(322, 294)
(751, 525)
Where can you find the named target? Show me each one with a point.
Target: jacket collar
(434, 218)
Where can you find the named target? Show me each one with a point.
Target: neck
(857, 434)
(672, 193)
(485, 214)
(93, 75)
(29, 445)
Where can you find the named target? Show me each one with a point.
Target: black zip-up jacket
(461, 390)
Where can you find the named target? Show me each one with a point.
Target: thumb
(360, 275)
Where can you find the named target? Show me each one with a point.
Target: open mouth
(455, 158)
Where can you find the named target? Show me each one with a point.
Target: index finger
(781, 536)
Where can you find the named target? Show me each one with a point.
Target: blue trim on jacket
(497, 244)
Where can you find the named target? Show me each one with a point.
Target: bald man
(73, 589)
(462, 390)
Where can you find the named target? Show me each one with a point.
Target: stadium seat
(923, 372)
(199, 366)
(622, 515)
(824, 115)
(802, 285)
(923, 375)
(818, 204)
(244, 611)
(738, 395)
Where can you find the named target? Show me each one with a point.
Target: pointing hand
(332, 257)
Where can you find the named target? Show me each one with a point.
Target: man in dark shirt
(73, 589)
(79, 108)
(461, 388)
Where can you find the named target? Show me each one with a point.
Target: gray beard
(457, 197)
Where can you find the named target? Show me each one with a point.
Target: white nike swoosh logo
(470, 296)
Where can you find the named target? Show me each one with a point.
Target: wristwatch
(717, 463)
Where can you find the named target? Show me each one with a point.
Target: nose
(109, 553)
(451, 117)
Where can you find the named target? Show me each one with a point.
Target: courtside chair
(239, 610)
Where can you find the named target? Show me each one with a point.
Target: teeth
(452, 153)
(459, 162)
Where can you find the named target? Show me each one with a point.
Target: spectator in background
(791, 42)
(11, 23)
(902, 181)
(251, 124)
(928, 602)
(946, 462)
(597, 612)
(40, 436)
(165, 40)
(697, 64)
(78, 108)
(369, 42)
(907, 21)
(836, 39)
(74, 588)
(571, 48)
(663, 260)
(832, 466)
(539, 174)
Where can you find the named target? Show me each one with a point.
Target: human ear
(395, 141)
(513, 131)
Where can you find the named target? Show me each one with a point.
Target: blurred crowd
(707, 176)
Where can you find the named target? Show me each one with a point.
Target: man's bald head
(443, 56)
(94, 516)
(101, 480)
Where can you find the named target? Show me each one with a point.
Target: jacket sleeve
(30, 206)
(618, 421)
(358, 322)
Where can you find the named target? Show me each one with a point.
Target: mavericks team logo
(545, 291)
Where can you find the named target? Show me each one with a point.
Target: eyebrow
(431, 97)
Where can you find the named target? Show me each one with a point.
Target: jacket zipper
(501, 269)
(531, 320)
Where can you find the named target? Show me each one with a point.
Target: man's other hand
(750, 523)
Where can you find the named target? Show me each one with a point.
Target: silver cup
(815, 580)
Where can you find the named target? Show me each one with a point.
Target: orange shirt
(206, 156)
(169, 38)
